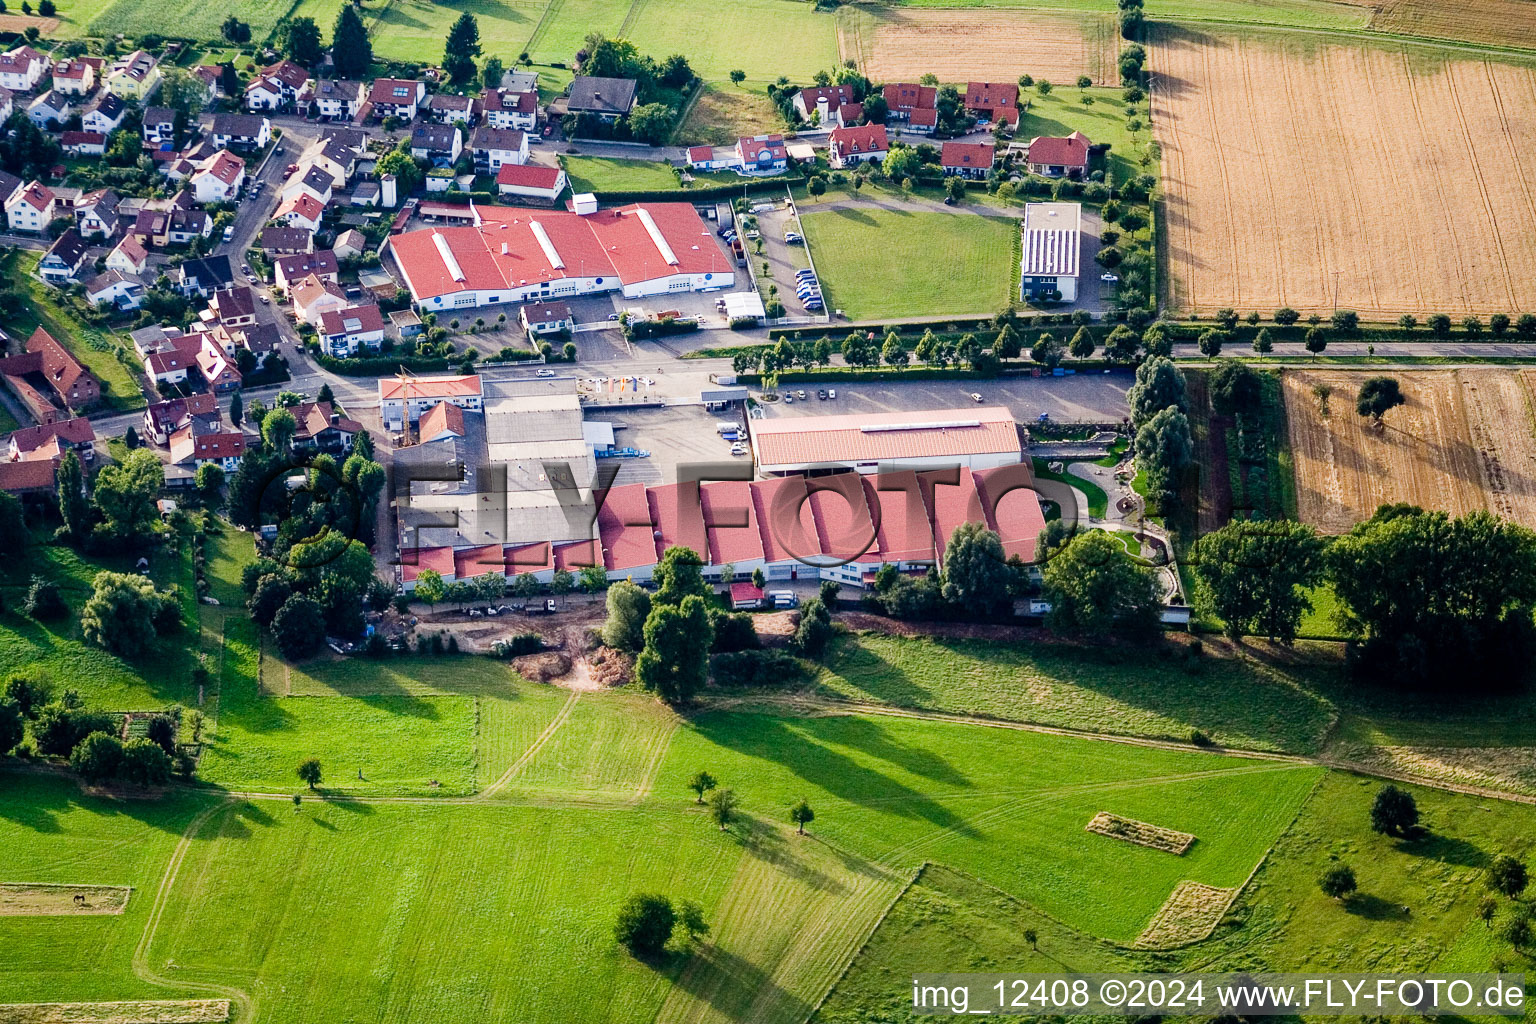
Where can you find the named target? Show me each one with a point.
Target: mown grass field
(191, 19)
(1233, 702)
(415, 30)
(764, 38)
(1062, 112)
(608, 174)
(896, 263)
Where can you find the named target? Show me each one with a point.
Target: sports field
(1401, 145)
(877, 262)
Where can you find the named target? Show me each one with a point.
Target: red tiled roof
(1012, 507)
(746, 592)
(315, 417)
(730, 520)
(430, 387)
(27, 476)
(71, 431)
(907, 96)
(303, 204)
(366, 318)
(71, 139)
(624, 524)
(850, 112)
(577, 555)
(844, 528)
(926, 117)
(951, 497)
(536, 557)
(696, 155)
(529, 175)
(902, 527)
(835, 95)
(61, 368)
(678, 518)
(442, 418)
(471, 562)
(788, 522)
(967, 155)
(867, 138)
(991, 95)
(223, 165)
(393, 91)
(415, 561)
(1071, 151)
(859, 437)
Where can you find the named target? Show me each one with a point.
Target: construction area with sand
(893, 44)
(1382, 178)
(1464, 441)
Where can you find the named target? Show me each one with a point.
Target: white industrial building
(1052, 249)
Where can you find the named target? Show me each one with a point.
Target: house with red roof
(444, 421)
(761, 154)
(847, 147)
(901, 98)
(417, 395)
(787, 525)
(849, 114)
(396, 97)
(967, 159)
(218, 178)
(31, 208)
(22, 68)
(677, 514)
(822, 101)
(322, 426)
(194, 449)
(993, 101)
(1056, 157)
(731, 526)
(504, 108)
(48, 441)
(530, 183)
(343, 332)
(302, 211)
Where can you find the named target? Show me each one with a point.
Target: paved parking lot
(676, 435)
(1082, 398)
(783, 259)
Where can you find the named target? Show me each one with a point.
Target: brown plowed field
(977, 44)
(1293, 167)
(1466, 440)
(1490, 22)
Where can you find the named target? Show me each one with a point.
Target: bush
(522, 643)
(98, 757)
(759, 668)
(59, 729)
(44, 602)
(733, 632)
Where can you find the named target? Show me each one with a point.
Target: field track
(1466, 440)
(1297, 171)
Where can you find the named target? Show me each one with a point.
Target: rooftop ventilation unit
(938, 425)
(550, 252)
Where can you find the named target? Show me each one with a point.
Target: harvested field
(19, 23)
(904, 43)
(1141, 833)
(1404, 151)
(24, 899)
(1490, 22)
(1464, 441)
(1192, 912)
(139, 1011)
(1507, 769)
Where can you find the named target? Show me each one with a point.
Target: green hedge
(690, 195)
(380, 366)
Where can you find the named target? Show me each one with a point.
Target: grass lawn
(1233, 702)
(764, 38)
(947, 263)
(94, 347)
(75, 16)
(1093, 494)
(192, 19)
(229, 551)
(414, 30)
(609, 174)
(1062, 112)
(7, 421)
(565, 24)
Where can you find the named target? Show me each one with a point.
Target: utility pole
(1336, 274)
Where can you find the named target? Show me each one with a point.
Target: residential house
(1056, 157)
(396, 97)
(505, 109)
(50, 110)
(314, 181)
(170, 362)
(162, 419)
(135, 77)
(104, 114)
(289, 270)
(993, 101)
(61, 264)
(263, 93)
(217, 367)
(218, 178)
(47, 378)
(902, 98)
(115, 288)
(258, 339)
(83, 143)
(350, 244)
(334, 99)
(183, 224)
(160, 126)
(9, 186)
(530, 182)
(235, 307)
(344, 331)
(283, 241)
(302, 211)
(22, 68)
(442, 422)
(712, 158)
(546, 318)
(76, 76)
(313, 297)
(761, 154)
(848, 115)
(31, 208)
(204, 275)
(334, 157)
(48, 441)
(96, 213)
(7, 104)
(129, 256)
(220, 447)
(322, 426)
(399, 399)
(605, 98)
(276, 87)
(821, 103)
(967, 159)
(241, 131)
(446, 108)
(439, 143)
(865, 144)
(211, 78)
(493, 147)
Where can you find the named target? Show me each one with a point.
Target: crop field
(1319, 14)
(564, 25)
(1231, 701)
(1464, 441)
(1490, 22)
(959, 45)
(1405, 151)
(946, 264)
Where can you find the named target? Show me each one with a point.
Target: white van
(727, 427)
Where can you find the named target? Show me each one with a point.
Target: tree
(1120, 344)
(299, 627)
(461, 49)
(815, 629)
(976, 573)
(652, 122)
(628, 608)
(125, 495)
(1046, 350)
(701, 783)
(1235, 389)
(1159, 385)
(1379, 396)
(893, 352)
(1487, 907)
(1082, 344)
(12, 725)
(1043, 87)
(1211, 341)
(13, 524)
(1440, 325)
(277, 430)
(645, 924)
(675, 659)
(350, 49)
(954, 187)
(1262, 343)
(722, 807)
(1315, 341)
(1255, 576)
(97, 758)
(690, 918)
(1507, 875)
(1338, 882)
(492, 72)
(122, 612)
(235, 30)
(1285, 316)
(1518, 930)
(271, 593)
(678, 575)
(591, 579)
(758, 579)
(1164, 449)
(209, 480)
(301, 40)
(309, 772)
(562, 582)
(738, 76)
(802, 815)
(1094, 587)
(1394, 812)
(28, 692)
(403, 167)
(1032, 937)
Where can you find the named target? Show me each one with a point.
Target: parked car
(613, 316)
(545, 373)
(739, 449)
(264, 297)
(821, 393)
(549, 130)
(792, 238)
(789, 398)
(229, 232)
(1108, 278)
(975, 397)
(832, 393)
(800, 394)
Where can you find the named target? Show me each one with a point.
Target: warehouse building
(979, 438)
(1052, 250)
(514, 255)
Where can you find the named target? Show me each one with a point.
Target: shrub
(734, 632)
(516, 646)
(760, 668)
(44, 602)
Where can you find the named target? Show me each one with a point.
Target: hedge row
(380, 366)
(690, 195)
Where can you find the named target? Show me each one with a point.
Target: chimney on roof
(504, 248)
(335, 418)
